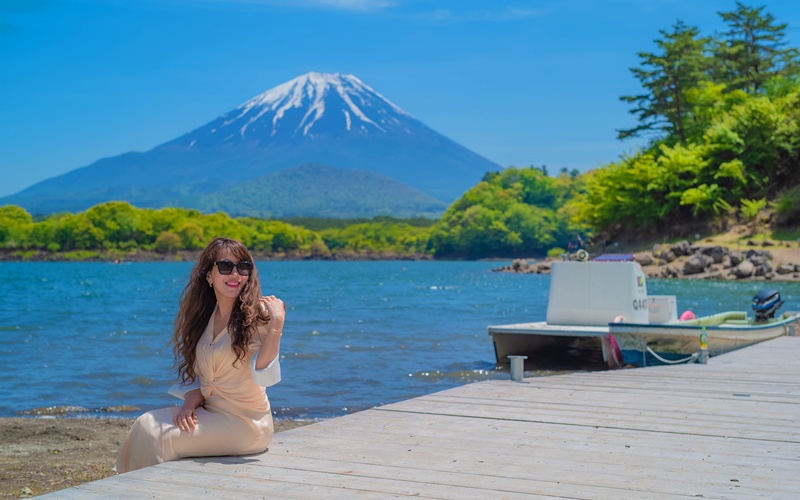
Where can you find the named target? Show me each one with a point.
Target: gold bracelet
(275, 331)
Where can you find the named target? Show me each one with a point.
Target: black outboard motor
(765, 303)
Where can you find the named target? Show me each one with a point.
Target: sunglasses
(243, 267)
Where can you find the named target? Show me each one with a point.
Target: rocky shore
(766, 261)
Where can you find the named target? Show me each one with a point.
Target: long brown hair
(197, 303)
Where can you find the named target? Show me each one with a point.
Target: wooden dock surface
(728, 429)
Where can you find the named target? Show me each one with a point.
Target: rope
(690, 359)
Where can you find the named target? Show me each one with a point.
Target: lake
(91, 339)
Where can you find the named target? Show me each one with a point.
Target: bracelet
(275, 331)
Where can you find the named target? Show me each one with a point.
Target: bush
(787, 207)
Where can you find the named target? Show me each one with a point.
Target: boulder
(644, 259)
(680, 248)
(696, 264)
(736, 257)
(717, 254)
(762, 269)
(744, 269)
(519, 265)
(666, 255)
(669, 272)
(785, 269)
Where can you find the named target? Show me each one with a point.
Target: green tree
(753, 50)
(16, 225)
(666, 77)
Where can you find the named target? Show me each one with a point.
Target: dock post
(702, 356)
(517, 367)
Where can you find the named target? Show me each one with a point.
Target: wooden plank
(729, 429)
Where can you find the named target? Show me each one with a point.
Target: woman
(226, 343)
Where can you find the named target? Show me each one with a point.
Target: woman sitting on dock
(226, 343)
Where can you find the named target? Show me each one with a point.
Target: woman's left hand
(276, 310)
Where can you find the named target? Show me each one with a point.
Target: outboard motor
(765, 303)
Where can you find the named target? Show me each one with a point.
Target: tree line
(513, 212)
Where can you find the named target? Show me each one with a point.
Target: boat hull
(543, 343)
(643, 344)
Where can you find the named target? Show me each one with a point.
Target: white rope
(690, 359)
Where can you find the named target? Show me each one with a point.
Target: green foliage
(666, 77)
(735, 139)
(751, 208)
(787, 207)
(377, 236)
(519, 211)
(752, 51)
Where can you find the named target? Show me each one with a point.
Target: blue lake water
(94, 336)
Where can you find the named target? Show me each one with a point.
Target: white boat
(684, 341)
(603, 306)
(584, 297)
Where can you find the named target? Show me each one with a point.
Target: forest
(720, 113)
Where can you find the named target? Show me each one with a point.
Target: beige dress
(235, 419)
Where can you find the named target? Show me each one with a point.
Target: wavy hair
(197, 303)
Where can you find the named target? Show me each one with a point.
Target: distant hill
(319, 191)
(367, 144)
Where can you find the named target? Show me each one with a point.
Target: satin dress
(234, 420)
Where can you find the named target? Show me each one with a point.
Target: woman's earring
(210, 285)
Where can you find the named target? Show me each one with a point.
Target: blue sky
(519, 82)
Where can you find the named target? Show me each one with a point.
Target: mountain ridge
(325, 119)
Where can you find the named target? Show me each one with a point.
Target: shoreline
(192, 255)
(708, 261)
(40, 455)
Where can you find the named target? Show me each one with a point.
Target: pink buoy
(687, 315)
(616, 352)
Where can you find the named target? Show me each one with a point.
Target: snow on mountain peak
(310, 92)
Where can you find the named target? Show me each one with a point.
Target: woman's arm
(271, 342)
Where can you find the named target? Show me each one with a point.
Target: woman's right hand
(186, 419)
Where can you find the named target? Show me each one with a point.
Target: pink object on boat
(687, 315)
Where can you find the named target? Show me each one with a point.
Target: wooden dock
(728, 429)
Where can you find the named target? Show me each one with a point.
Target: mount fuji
(320, 145)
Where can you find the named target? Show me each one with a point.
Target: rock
(695, 265)
(519, 265)
(736, 257)
(763, 269)
(680, 248)
(767, 243)
(758, 253)
(644, 259)
(669, 272)
(543, 268)
(744, 269)
(785, 269)
(717, 254)
(667, 255)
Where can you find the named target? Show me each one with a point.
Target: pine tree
(665, 77)
(752, 51)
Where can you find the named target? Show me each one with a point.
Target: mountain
(326, 120)
(319, 191)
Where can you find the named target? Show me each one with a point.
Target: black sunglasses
(243, 267)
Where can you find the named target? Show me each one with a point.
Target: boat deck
(543, 328)
(728, 429)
